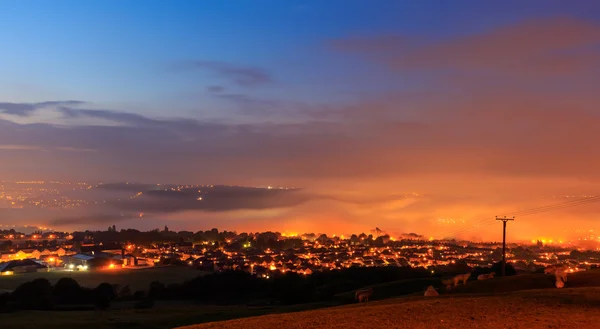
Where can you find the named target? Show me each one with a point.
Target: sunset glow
(390, 117)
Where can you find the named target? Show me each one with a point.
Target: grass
(166, 314)
(137, 279)
(534, 309)
(497, 303)
(393, 289)
(528, 281)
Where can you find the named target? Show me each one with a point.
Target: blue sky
(118, 53)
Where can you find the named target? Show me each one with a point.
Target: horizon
(423, 117)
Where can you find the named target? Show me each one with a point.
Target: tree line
(231, 287)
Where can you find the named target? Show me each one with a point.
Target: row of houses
(33, 253)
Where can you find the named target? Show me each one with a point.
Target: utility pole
(504, 220)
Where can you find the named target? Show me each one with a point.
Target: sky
(481, 108)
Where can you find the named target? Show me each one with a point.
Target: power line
(558, 206)
(529, 212)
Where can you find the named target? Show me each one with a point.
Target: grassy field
(525, 301)
(137, 279)
(497, 303)
(166, 314)
(496, 285)
(533, 309)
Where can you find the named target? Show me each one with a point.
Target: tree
(35, 295)
(67, 291)
(125, 292)
(577, 255)
(103, 295)
(497, 268)
(156, 289)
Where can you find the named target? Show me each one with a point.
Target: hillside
(567, 308)
(498, 303)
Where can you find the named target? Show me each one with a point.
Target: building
(20, 266)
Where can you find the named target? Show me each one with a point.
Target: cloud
(130, 119)
(252, 105)
(535, 49)
(74, 149)
(217, 199)
(91, 220)
(26, 109)
(19, 148)
(244, 76)
(215, 89)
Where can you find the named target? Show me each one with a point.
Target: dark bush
(34, 295)
(125, 293)
(138, 295)
(103, 295)
(497, 268)
(145, 303)
(68, 291)
(156, 289)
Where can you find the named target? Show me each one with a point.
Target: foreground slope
(532, 309)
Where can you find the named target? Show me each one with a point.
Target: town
(267, 254)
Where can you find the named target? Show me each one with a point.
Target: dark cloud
(215, 89)
(245, 76)
(131, 119)
(216, 199)
(252, 105)
(26, 109)
(91, 220)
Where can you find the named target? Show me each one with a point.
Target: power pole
(504, 220)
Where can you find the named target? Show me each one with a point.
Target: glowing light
(7, 273)
(111, 266)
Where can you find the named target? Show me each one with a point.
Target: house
(184, 246)
(20, 266)
(112, 248)
(86, 261)
(31, 253)
(21, 254)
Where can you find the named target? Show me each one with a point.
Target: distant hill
(478, 305)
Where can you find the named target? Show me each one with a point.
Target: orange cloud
(535, 48)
